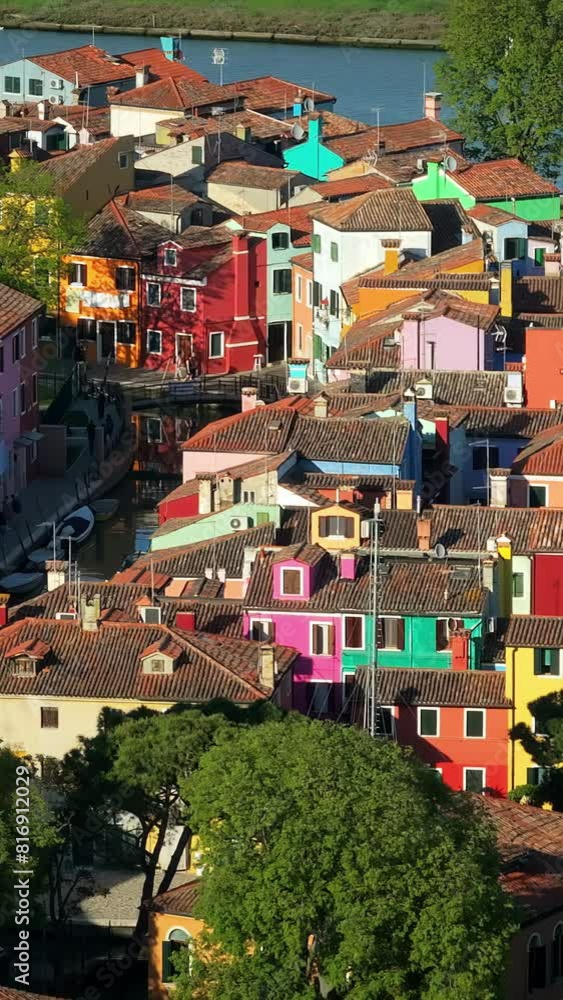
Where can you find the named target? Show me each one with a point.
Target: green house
(200, 527)
(417, 641)
(312, 157)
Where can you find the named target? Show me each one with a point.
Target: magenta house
(19, 410)
(443, 332)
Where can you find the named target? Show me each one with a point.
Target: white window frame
(298, 288)
(483, 712)
(310, 293)
(154, 284)
(217, 333)
(474, 768)
(15, 401)
(150, 330)
(391, 649)
(297, 569)
(429, 708)
(188, 288)
(123, 156)
(23, 409)
(173, 251)
(544, 486)
(363, 621)
(260, 621)
(325, 627)
(22, 342)
(189, 942)
(318, 685)
(34, 332)
(80, 265)
(437, 770)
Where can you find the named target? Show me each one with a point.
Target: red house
(455, 720)
(543, 371)
(204, 303)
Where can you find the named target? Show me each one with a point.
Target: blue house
(312, 156)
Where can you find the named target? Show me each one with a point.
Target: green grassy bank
(397, 19)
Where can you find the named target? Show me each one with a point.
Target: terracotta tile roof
(537, 295)
(491, 216)
(333, 124)
(10, 124)
(333, 480)
(537, 893)
(118, 232)
(443, 688)
(443, 280)
(66, 169)
(298, 217)
(480, 421)
(188, 489)
(449, 220)
(161, 198)
(535, 631)
(428, 267)
(6, 993)
(189, 562)
(107, 663)
(241, 174)
(15, 308)
(88, 63)
(502, 179)
(202, 236)
(396, 210)
(159, 67)
(304, 260)
(179, 901)
(416, 135)
(543, 455)
(466, 529)
(458, 388)
(269, 93)
(176, 95)
(526, 830)
(261, 126)
(406, 588)
(546, 321)
(348, 186)
(311, 555)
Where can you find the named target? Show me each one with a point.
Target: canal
(363, 80)
(156, 470)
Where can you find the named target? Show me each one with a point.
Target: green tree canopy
(340, 864)
(502, 77)
(545, 747)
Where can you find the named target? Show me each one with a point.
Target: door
(106, 341)
(184, 348)
(278, 347)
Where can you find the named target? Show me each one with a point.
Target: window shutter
(400, 633)
(330, 640)
(441, 633)
(349, 527)
(380, 634)
(167, 970)
(323, 527)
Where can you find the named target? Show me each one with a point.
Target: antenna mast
(371, 707)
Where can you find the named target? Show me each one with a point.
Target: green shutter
(334, 251)
(262, 517)
(316, 243)
(167, 970)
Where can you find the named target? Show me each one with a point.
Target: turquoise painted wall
(435, 184)
(312, 157)
(532, 209)
(214, 525)
(280, 305)
(420, 646)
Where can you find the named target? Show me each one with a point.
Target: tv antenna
(219, 58)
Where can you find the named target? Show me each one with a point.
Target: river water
(363, 80)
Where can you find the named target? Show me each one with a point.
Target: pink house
(448, 333)
(19, 410)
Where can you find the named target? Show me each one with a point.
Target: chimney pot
(459, 645)
(321, 407)
(90, 612)
(4, 599)
(433, 105)
(186, 620)
(347, 566)
(56, 573)
(249, 398)
(423, 532)
(267, 668)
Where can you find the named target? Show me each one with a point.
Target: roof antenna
(152, 579)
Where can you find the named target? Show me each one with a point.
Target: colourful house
(172, 927)
(302, 318)
(235, 517)
(536, 476)
(506, 184)
(311, 156)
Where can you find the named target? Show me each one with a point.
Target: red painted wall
(543, 376)
(451, 751)
(547, 590)
(180, 507)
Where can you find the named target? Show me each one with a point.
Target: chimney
(205, 496)
(392, 250)
(410, 408)
(186, 621)
(267, 667)
(433, 105)
(243, 132)
(249, 398)
(315, 128)
(298, 105)
(43, 110)
(111, 92)
(498, 487)
(423, 532)
(4, 598)
(320, 409)
(242, 276)
(459, 645)
(347, 566)
(489, 582)
(56, 574)
(141, 76)
(250, 553)
(506, 281)
(552, 263)
(225, 490)
(5, 109)
(90, 612)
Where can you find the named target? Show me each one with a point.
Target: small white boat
(76, 527)
(104, 509)
(21, 583)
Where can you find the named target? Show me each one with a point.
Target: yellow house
(336, 527)
(534, 668)
(172, 926)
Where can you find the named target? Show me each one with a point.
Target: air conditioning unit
(239, 523)
(423, 390)
(297, 385)
(513, 395)
(66, 616)
(152, 616)
(53, 99)
(365, 529)
(60, 99)
(56, 84)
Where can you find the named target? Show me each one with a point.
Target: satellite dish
(439, 551)
(297, 131)
(218, 57)
(308, 104)
(450, 164)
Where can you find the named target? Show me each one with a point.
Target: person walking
(91, 431)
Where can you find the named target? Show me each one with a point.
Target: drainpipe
(513, 713)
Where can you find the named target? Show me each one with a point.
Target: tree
(545, 747)
(341, 865)
(37, 231)
(502, 77)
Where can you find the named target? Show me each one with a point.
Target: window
(282, 281)
(539, 256)
(316, 243)
(153, 293)
(320, 698)
(86, 328)
(353, 632)
(557, 953)
(157, 665)
(12, 84)
(78, 274)
(291, 582)
(474, 779)
(35, 87)
(125, 279)
(126, 332)
(442, 634)
(16, 346)
(299, 337)
(15, 401)
(309, 293)
(334, 303)
(298, 287)
(41, 213)
(317, 293)
(518, 585)
(390, 633)
(22, 397)
(154, 342)
(428, 721)
(261, 630)
(123, 161)
(480, 460)
(280, 241)
(249, 496)
(170, 257)
(475, 723)
(536, 964)
(188, 299)
(535, 775)
(177, 939)
(334, 252)
(216, 344)
(49, 718)
(153, 429)
(322, 639)
(515, 249)
(34, 332)
(34, 394)
(537, 496)
(547, 662)
(197, 155)
(336, 527)
(24, 667)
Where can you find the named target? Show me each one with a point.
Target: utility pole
(371, 714)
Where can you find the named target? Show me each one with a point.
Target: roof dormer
(336, 527)
(149, 612)
(161, 657)
(294, 569)
(28, 657)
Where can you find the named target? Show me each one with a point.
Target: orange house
(100, 298)
(172, 926)
(302, 346)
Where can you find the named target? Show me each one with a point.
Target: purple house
(444, 332)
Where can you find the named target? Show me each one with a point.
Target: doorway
(106, 340)
(279, 340)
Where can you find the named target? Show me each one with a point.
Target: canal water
(156, 470)
(363, 80)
